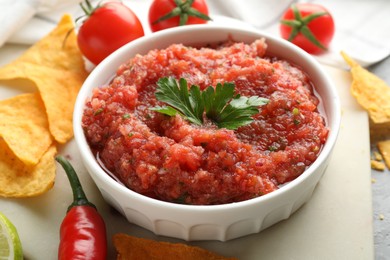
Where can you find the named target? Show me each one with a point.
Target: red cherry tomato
(309, 26)
(107, 28)
(165, 14)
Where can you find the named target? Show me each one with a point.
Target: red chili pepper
(82, 232)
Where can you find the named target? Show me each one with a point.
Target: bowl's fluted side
(223, 222)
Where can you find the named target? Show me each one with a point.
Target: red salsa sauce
(170, 159)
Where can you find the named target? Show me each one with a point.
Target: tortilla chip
(55, 65)
(384, 149)
(129, 248)
(24, 127)
(18, 180)
(371, 92)
(377, 165)
(377, 156)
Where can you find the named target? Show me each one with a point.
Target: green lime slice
(10, 246)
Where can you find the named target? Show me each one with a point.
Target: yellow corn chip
(379, 166)
(57, 68)
(134, 248)
(24, 127)
(18, 180)
(371, 92)
(377, 156)
(384, 149)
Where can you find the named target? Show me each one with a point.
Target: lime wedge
(10, 246)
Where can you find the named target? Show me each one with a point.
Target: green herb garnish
(221, 105)
(98, 111)
(126, 116)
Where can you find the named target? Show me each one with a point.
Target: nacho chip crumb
(130, 247)
(384, 149)
(373, 180)
(381, 217)
(377, 156)
(379, 166)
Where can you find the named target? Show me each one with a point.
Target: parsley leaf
(187, 104)
(221, 105)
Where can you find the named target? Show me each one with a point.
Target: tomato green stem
(79, 197)
(300, 25)
(87, 7)
(183, 9)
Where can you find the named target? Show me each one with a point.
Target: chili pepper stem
(79, 197)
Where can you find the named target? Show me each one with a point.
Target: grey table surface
(381, 186)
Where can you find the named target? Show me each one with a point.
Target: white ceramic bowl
(216, 222)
